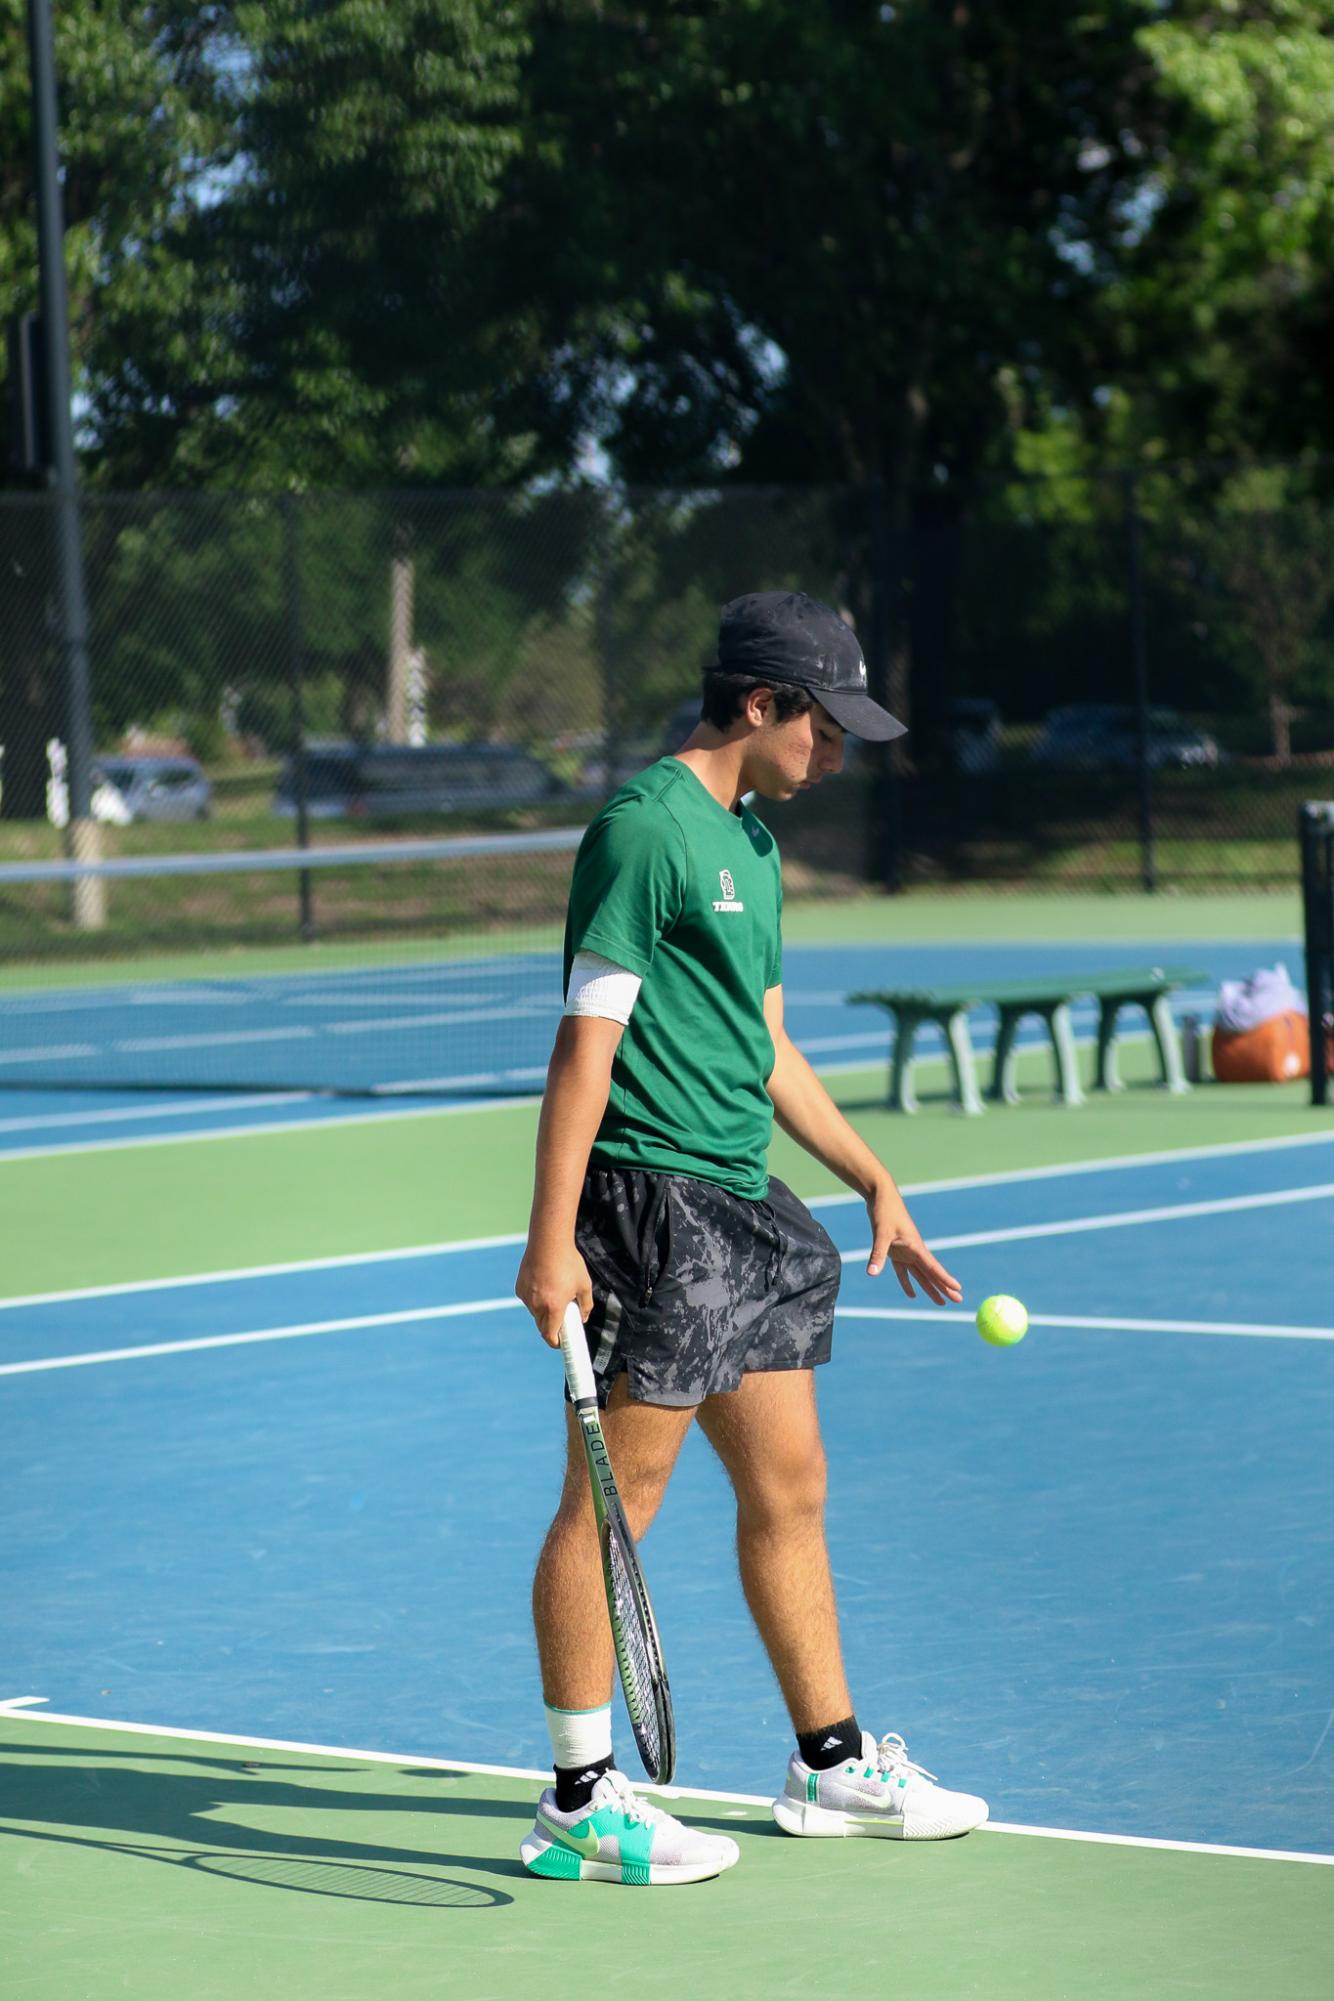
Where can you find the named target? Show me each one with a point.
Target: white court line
(183, 996)
(384, 1000)
(65, 1051)
(1018, 1177)
(22, 1708)
(19, 1000)
(147, 1045)
(127, 1286)
(265, 1129)
(1273, 1331)
(410, 1086)
(1059, 1170)
(1225, 1205)
(519, 1011)
(41, 1365)
(176, 1111)
(258, 1334)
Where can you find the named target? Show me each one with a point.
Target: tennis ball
(1001, 1321)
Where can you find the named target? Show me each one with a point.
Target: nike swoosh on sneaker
(584, 1843)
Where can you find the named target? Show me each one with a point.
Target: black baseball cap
(788, 637)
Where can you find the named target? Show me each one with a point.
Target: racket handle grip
(578, 1362)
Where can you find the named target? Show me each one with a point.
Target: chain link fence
(1111, 683)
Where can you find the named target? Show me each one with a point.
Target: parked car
(1104, 736)
(331, 783)
(974, 726)
(381, 781)
(126, 789)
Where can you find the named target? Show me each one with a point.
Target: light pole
(89, 905)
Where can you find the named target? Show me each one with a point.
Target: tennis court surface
(280, 1455)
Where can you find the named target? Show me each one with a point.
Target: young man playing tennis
(706, 1288)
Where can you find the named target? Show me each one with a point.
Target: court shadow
(878, 1101)
(751, 1829)
(122, 1807)
(358, 1881)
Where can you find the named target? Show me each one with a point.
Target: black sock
(574, 1787)
(823, 1749)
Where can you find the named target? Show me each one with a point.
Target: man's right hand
(546, 1284)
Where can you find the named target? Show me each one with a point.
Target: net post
(1315, 827)
(1139, 650)
(296, 675)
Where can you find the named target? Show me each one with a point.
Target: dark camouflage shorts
(694, 1287)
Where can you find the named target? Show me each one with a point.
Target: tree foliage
(452, 242)
(1224, 307)
(804, 242)
(698, 243)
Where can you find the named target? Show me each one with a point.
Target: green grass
(384, 900)
(1100, 862)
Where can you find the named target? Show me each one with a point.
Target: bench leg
(1068, 1088)
(961, 1057)
(1004, 1089)
(902, 1097)
(1107, 1077)
(1159, 1011)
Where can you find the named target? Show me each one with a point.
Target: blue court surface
(1091, 1577)
(219, 1054)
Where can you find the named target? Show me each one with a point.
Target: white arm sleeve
(599, 986)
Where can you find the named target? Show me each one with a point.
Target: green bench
(1049, 997)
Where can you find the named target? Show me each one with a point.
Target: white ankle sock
(579, 1736)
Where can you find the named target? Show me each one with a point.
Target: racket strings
(638, 1654)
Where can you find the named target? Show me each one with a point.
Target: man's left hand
(896, 1237)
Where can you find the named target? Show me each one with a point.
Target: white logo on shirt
(729, 899)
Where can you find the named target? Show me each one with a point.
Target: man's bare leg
(767, 1435)
(574, 1641)
(591, 1802)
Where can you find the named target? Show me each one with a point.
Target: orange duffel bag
(1273, 1052)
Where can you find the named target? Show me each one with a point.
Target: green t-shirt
(675, 888)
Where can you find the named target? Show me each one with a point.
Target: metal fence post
(83, 834)
(1315, 832)
(296, 675)
(884, 859)
(1139, 648)
(608, 659)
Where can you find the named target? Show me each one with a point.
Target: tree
(794, 242)
(339, 332)
(1270, 554)
(134, 135)
(802, 242)
(1220, 324)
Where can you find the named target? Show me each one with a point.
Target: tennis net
(1316, 829)
(408, 967)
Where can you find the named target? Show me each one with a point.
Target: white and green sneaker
(883, 1792)
(619, 1838)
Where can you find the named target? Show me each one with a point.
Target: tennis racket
(633, 1627)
